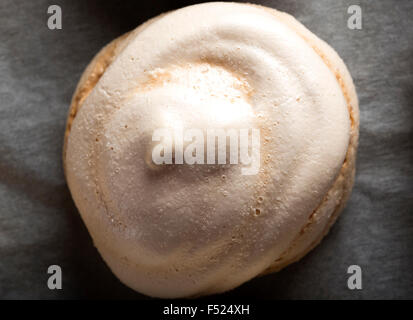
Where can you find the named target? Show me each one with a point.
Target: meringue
(187, 229)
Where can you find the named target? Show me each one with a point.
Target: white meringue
(188, 230)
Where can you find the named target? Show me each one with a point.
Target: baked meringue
(183, 230)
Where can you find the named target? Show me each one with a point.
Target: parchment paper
(40, 226)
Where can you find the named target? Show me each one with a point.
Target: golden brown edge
(88, 81)
(345, 179)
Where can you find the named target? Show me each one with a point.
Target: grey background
(40, 226)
